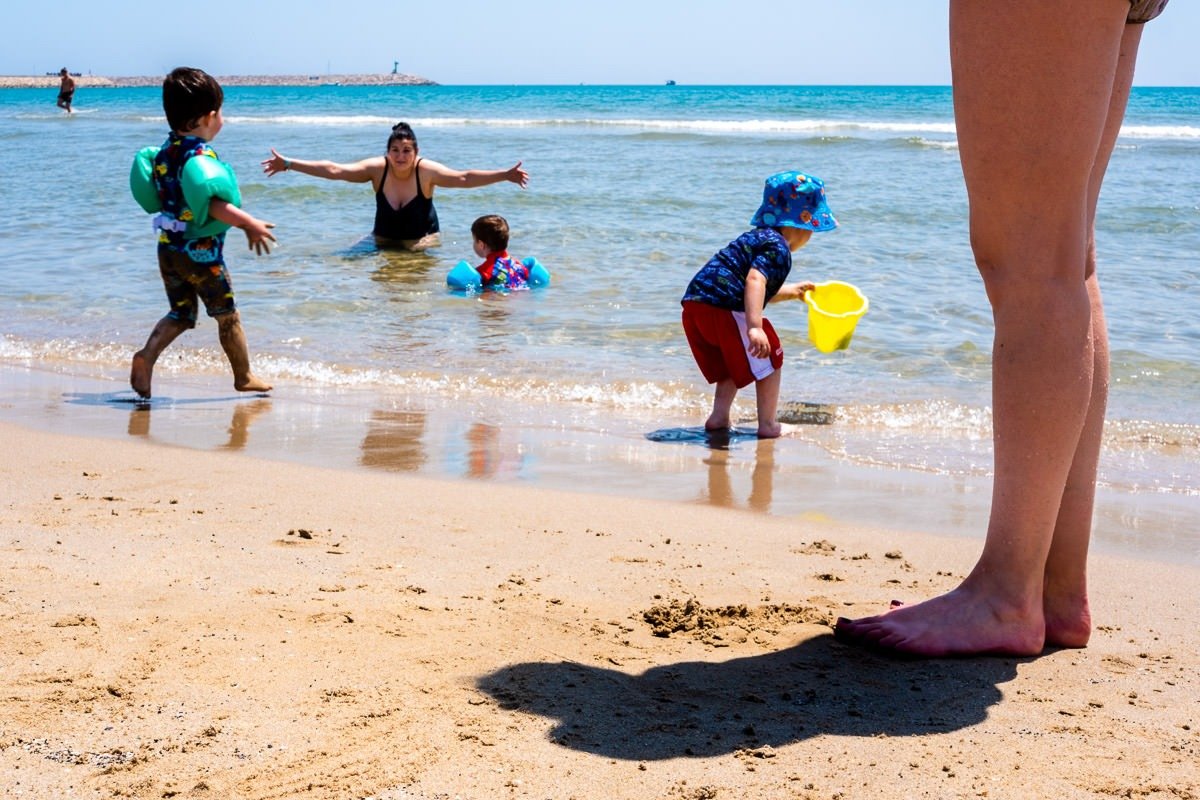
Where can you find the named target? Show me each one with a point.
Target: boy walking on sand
(731, 340)
(197, 200)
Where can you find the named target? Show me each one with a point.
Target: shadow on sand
(698, 708)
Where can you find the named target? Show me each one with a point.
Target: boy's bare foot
(958, 623)
(251, 384)
(771, 430)
(139, 375)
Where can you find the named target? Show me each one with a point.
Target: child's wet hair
(401, 131)
(492, 230)
(189, 94)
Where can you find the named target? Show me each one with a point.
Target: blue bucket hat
(794, 200)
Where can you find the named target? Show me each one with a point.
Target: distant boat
(670, 83)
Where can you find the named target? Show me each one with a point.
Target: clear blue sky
(532, 41)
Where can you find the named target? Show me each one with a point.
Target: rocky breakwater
(103, 82)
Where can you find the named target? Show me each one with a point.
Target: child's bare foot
(959, 623)
(771, 430)
(139, 375)
(251, 384)
(716, 424)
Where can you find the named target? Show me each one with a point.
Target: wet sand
(650, 455)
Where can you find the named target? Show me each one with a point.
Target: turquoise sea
(377, 365)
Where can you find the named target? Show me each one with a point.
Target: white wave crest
(707, 126)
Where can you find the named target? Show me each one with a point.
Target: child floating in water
(731, 340)
(498, 270)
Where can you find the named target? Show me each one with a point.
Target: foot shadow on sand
(703, 709)
(123, 400)
(723, 439)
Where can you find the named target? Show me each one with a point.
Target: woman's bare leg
(1065, 601)
(1033, 87)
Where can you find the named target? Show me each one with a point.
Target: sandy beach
(181, 623)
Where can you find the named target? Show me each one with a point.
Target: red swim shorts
(718, 340)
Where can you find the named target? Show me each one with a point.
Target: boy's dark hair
(492, 230)
(402, 131)
(189, 94)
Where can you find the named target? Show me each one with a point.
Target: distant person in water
(403, 184)
(66, 89)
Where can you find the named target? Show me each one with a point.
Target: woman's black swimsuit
(414, 220)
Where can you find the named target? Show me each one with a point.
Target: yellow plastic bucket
(834, 309)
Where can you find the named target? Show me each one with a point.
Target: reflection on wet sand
(487, 456)
(483, 450)
(394, 441)
(762, 477)
(239, 424)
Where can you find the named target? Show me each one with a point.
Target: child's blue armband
(141, 180)
(464, 278)
(538, 275)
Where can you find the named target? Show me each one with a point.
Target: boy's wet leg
(726, 390)
(767, 395)
(142, 369)
(233, 342)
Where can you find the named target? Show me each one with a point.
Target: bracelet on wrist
(287, 164)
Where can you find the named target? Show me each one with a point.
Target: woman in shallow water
(403, 182)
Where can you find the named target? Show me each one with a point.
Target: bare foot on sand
(769, 430)
(139, 375)
(717, 423)
(958, 623)
(1068, 621)
(250, 384)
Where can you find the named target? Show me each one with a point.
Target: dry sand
(176, 623)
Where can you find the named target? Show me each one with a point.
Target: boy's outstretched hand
(259, 236)
(258, 233)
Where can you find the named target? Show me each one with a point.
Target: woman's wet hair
(401, 132)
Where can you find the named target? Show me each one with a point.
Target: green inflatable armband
(141, 180)
(202, 179)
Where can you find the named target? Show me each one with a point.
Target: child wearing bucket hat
(732, 342)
